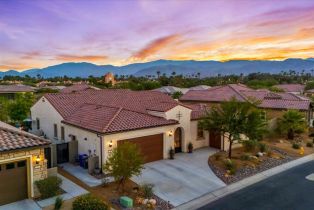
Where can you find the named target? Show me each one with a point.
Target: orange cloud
(69, 58)
(31, 55)
(154, 47)
(14, 67)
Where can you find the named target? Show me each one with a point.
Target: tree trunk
(290, 134)
(230, 146)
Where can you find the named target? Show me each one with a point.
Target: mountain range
(186, 68)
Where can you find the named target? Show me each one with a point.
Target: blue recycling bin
(82, 158)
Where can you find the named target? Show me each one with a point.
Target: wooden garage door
(215, 139)
(150, 146)
(13, 184)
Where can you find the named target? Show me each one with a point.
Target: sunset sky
(39, 33)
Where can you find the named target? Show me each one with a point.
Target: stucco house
(272, 103)
(22, 162)
(93, 122)
(297, 89)
(10, 91)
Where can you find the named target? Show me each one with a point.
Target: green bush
(245, 157)
(309, 144)
(230, 166)
(249, 145)
(89, 202)
(49, 187)
(147, 190)
(296, 146)
(58, 203)
(262, 147)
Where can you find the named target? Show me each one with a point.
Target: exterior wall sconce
(37, 159)
(110, 144)
(170, 133)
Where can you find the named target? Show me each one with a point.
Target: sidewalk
(210, 197)
(71, 189)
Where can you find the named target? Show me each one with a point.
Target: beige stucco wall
(198, 142)
(34, 171)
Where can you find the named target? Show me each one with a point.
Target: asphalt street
(289, 190)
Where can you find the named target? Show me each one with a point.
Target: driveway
(26, 204)
(292, 189)
(185, 178)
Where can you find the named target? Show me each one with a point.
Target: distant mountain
(186, 68)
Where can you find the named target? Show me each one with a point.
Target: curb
(222, 192)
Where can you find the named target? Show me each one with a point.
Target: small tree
(18, 109)
(292, 121)
(125, 161)
(234, 118)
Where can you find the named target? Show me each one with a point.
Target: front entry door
(178, 140)
(62, 153)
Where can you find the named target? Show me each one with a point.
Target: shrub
(49, 187)
(147, 190)
(262, 147)
(249, 145)
(58, 203)
(217, 157)
(309, 144)
(295, 146)
(245, 157)
(230, 166)
(89, 202)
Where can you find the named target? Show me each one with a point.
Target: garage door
(13, 184)
(150, 146)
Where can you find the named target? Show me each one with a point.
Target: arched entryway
(178, 140)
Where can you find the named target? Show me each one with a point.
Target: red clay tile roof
(198, 111)
(291, 87)
(15, 88)
(111, 110)
(12, 138)
(77, 87)
(266, 98)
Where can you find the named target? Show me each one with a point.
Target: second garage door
(150, 146)
(13, 182)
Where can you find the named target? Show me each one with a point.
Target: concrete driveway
(183, 179)
(26, 204)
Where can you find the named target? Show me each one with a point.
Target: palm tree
(158, 74)
(292, 121)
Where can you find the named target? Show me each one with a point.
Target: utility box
(126, 202)
(93, 162)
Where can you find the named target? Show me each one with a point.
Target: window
(38, 123)
(9, 166)
(62, 133)
(200, 132)
(55, 130)
(263, 115)
(21, 163)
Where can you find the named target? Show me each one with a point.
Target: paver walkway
(186, 177)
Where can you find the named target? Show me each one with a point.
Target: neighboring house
(109, 78)
(77, 88)
(170, 90)
(93, 122)
(10, 91)
(272, 103)
(309, 93)
(297, 89)
(22, 162)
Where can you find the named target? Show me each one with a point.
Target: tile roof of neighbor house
(242, 93)
(310, 91)
(110, 110)
(198, 111)
(200, 87)
(77, 87)
(12, 138)
(291, 87)
(15, 88)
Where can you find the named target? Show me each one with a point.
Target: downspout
(101, 149)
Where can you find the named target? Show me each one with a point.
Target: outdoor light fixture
(170, 133)
(37, 159)
(110, 144)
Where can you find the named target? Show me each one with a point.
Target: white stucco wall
(48, 116)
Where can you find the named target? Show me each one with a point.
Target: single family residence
(10, 91)
(93, 122)
(22, 162)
